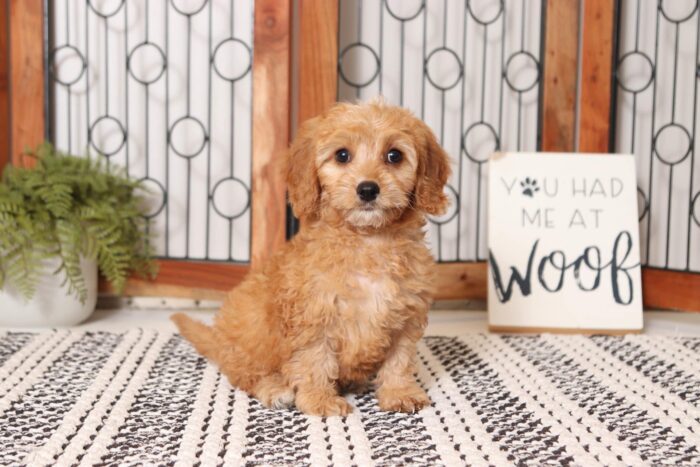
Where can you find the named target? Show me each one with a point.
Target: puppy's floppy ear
(433, 172)
(302, 178)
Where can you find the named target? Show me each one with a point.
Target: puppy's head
(366, 164)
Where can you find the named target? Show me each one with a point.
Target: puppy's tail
(199, 334)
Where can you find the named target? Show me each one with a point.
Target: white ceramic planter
(51, 305)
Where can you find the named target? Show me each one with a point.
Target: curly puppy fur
(346, 300)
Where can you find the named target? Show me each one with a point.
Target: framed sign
(563, 243)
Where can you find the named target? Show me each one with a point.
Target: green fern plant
(68, 207)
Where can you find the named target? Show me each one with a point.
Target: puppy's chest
(367, 315)
(368, 296)
(373, 283)
(375, 289)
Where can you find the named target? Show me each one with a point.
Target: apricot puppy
(346, 300)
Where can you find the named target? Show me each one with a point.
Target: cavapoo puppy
(346, 300)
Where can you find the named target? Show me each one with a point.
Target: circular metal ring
(695, 208)
(213, 195)
(163, 196)
(496, 141)
(676, 20)
(487, 21)
(205, 137)
(529, 56)
(645, 202)
(162, 58)
(407, 18)
(91, 132)
(190, 13)
(216, 50)
(105, 15)
(448, 216)
(52, 61)
(689, 140)
(358, 45)
(427, 68)
(646, 59)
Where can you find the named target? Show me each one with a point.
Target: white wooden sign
(563, 243)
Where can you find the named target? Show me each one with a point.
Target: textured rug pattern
(145, 397)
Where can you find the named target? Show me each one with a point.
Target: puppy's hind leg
(201, 336)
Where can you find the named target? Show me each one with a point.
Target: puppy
(346, 300)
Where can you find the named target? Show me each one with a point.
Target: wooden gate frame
(271, 116)
(318, 90)
(24, 108)
(4, 84)
(661, 288)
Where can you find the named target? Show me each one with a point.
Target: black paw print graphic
(529, 186)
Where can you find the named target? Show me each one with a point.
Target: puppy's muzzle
(367, 191)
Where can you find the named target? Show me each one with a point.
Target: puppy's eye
(342, 156)
(394, 156)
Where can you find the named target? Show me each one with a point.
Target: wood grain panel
(596, 75)
(271, 104)
(560, 75)
(318, 56)
(26, 77)
(187, 279)
(4, 85)
(460, 281)
(661, 289)
(671, 289)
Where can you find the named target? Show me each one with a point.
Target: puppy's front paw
(324, 405)
(277, 398)
(402, 399)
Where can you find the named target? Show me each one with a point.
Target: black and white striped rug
(145, 397)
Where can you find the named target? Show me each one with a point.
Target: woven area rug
(145, 397)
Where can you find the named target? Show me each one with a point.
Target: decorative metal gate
(656, 77)
(470, 69)
(163, 89)
(134, 81)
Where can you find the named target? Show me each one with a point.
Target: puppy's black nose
(367, 191)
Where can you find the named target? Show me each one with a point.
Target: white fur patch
(362, 218)
(375, 295)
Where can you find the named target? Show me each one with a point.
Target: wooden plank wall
(271, 118)
(318, 56)
(186, 279)
(560, 75)
(671, 289)
(26, 77)
(4, 85)
(596, 75)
